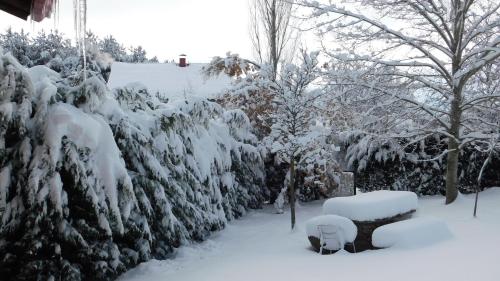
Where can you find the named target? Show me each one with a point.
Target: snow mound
(411, 233)
(170, 80)
(347, 227)
(372, 205)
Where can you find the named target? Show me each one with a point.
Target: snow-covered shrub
(71, 68)
(93, 182)
(418, 166)
(192, 159)
(251, 91)
(279, 203)
(67, 191)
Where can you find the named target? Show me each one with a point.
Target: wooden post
(292, 191)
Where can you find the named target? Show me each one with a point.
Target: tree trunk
(475, 200)
(273, 39)
(292, 192)
(451, 172)
(453, 147)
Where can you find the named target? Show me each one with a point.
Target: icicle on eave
(80, 26)
(41, 9)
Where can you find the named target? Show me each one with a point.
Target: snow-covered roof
(169, 79)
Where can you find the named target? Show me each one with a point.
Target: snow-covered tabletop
(372, 206)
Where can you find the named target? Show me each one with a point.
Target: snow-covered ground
(261, 247)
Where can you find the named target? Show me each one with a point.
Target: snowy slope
(261, 247)
(169, 79)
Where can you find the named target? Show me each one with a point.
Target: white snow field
(261, 247)
(170, 80)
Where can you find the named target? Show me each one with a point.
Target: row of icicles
(41, 9)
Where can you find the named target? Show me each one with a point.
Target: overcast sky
(165, 28)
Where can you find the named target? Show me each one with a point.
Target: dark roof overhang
(18, 8)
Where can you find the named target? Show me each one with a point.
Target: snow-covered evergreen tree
(19, 45)
(55, 51)
(48, 46)
(154, 60)
(113, 48)
(137, 55)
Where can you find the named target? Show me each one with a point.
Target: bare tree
(271, 31)
(432, 46)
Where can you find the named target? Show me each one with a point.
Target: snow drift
(411, 233)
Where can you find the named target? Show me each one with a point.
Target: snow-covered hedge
(93, 182)
(406, 164)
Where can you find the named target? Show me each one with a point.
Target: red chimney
(182, 60)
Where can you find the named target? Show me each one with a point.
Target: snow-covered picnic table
(370, 210)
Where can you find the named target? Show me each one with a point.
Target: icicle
(55, 13)
(80, 22)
